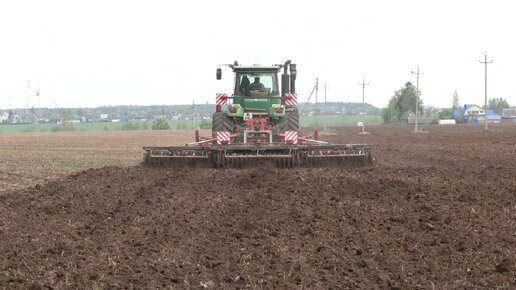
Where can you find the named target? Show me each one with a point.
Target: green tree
(404, 100)
(498, 104)
(160, 123)
(80, 112)
(445, 114)
(456, 104)
(65, 114)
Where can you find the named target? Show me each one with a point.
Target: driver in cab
(257, 86)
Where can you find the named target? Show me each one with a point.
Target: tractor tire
(290, 122)
(221, 123)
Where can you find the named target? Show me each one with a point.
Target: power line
(417, 94)
(485, 62)
(309, 97)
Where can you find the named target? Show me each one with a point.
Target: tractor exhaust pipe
(285, 66)
(293, 75)
(285, 81)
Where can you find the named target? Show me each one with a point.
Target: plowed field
(436, 211)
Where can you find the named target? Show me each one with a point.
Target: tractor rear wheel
(290, 122)
(221, 123)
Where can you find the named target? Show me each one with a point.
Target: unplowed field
(436, 211)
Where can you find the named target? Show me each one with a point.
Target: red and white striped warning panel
(223, 138)
(290, 99)
(291, 137)
(221, 99)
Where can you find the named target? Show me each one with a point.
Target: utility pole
(325, 87)
(30, 107)
(316, 91)
(485, 62)
(194, 116)
(363, 84)
(28, 85)
(417, 94)
(324, 109)
(40, 113)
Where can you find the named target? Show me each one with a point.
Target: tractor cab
(256, 88)
(245, 81)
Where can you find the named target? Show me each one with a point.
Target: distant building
(475, 114)
(4, 117)
(447, 122)
(473, 110)
(509, 115)
(492, 116)
(10, 117)
(104, 118)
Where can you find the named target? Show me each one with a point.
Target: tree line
(404, 100)
(171, 112)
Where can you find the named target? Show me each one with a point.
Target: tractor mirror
(219, 73)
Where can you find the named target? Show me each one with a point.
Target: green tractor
(258, 125)
(260, 110)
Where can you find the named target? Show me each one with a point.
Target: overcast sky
(96, 53)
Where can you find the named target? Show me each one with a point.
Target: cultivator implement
(171, 156)
(268, 155)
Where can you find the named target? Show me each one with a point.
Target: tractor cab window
(256, 84)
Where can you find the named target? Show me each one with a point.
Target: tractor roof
(257, 69)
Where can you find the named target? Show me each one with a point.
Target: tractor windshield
(256, 84)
